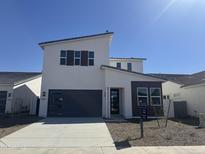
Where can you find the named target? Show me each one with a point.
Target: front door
(114, 101)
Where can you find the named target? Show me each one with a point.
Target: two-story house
(79, 79)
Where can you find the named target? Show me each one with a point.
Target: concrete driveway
(61, 133)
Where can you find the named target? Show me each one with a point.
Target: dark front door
(75, 103)
(114, 101)
(3, 96)
(37, 105)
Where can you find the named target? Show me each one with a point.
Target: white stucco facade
(193, 95)
(26, 94)
(173, 89)
(137, 64)
(55, 76)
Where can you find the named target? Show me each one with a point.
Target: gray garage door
(75, 103)
(3, 96)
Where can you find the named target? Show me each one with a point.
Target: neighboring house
(19, 92)
(80, 80)
(185, 87)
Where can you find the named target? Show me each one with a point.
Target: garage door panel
(77, 103)
(81, 103)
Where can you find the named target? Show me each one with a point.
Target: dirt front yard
(178, 132)
(10, 124)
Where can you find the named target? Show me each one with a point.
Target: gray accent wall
(152, 111)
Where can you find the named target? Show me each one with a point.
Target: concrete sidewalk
(108, 150)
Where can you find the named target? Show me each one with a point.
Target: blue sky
(169, 33)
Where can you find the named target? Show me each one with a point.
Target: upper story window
(77, 57)
(63, 57)
(118, 65)
(90, 58)
(129, 66)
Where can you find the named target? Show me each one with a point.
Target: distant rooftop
(184, 79)
(74, 38)
(16, 77)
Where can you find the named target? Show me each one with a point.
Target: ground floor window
(142, 96)
(149, 96)
(155, 96)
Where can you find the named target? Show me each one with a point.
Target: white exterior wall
(137, 65)
(26, 94)
(194, 96)
(9, 89)
(174, 90)
(119, 79)
(56, 76)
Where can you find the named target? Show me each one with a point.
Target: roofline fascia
(43, 44)
(141, 59)
(132, 72)
(26, 80)
(6, 84)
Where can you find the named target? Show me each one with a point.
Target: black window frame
(118, 65)
(69, 58)
(77, 58)
(129, 66)
(155, 96)
(143, 96)
(91, 59)
(63, 57)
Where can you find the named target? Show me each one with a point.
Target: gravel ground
(178, 132)
(10, 124)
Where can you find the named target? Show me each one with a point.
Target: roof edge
(74, 38)
(131, 58)
(124, 70)
(20, 72)
(26, 80)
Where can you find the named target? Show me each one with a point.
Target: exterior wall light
(44, 94)
(9, 94)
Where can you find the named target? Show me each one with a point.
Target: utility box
(180, 109)
(201, 120)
